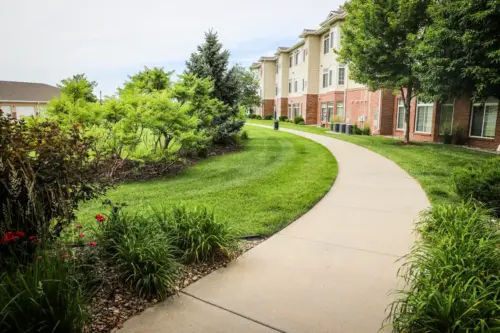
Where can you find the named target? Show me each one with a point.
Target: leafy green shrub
(252, 116)
(299, 120)
(258, 117)
(244, 135)
(356, 130)
(228, 131)
(452, 273)
(366, 130)
(198, 235)
(283, 118)
(43, 297)
(481, 183)
(458, 136)
(45, 173)
(268, 117)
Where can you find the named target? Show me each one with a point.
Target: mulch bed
(114, 303)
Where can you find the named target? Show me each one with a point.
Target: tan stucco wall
(269, 79)
(282, 76)
(313, 47)
(298, 73)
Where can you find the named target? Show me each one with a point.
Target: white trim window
(341, 79)
(323, 112)
(446, 117)
(297, 57)
(332, 39)
(329, 106)
(290, 111)
(296, 110)
(296, 85)
(423, 117)
(325, 78)
(326, 43)
(291, 61)
(330, 77)
(6, 109)
(484, 119)
(340, 109)
(400, 116)
(290, 86)
(304, 55)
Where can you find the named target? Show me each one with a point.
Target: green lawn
(430, 164)
(278, 177)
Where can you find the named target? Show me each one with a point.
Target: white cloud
(45, 41)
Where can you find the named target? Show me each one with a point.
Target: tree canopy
(78, 87)
(460, 50)
(379, 39)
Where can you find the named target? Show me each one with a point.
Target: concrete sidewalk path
(329, 271)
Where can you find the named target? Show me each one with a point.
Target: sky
(48, 40)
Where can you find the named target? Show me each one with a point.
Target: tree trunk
(407, 102)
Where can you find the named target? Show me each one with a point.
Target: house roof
(27, 91)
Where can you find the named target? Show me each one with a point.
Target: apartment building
(265, 70)
(310, 81)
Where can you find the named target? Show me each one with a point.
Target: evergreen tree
(379, 39)
(460, 51)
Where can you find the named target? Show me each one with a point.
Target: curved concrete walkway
(329, 271)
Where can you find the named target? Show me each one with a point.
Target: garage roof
(27, 91)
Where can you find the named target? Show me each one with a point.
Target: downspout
(346, 83)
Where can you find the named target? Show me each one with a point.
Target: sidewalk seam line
(344, 246)
(233, 312)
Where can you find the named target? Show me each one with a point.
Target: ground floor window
(446, 118)
(330, 112)
(484, 119)
(423, 117)
(6, 109)
(340, 109)
(400, 117)
(323, 112)
(290, 111)
(296, 110)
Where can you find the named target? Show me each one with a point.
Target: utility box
(343, 128)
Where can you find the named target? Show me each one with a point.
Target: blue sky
(49, 40)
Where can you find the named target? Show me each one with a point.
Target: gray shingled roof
(27, 91)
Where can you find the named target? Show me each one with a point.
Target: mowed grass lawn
(278, 177)
(430, 164)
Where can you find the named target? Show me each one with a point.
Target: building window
(303, 84)
(296, 110)
(340, 109)
(330, 78)
(277, 67)
(341, 74)
(323, 112)
(423, 117)
(304, 55)
(446, 118)
(291, 61)
(297, 57)
(276, 90)
(6, 109)
(289, 86)
(290, 111)
(326, 43)
(325, 78)
(400, 117)
(332, 39)
(295, 85)
(484, 119)
(329, 116)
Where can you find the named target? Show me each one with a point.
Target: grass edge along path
(274, 180)
(431, 164)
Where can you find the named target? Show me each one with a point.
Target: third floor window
(326, 43)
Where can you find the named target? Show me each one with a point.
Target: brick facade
(332, 96)
(311, 112)
(268, 108)
(282, 106)
(461, 117)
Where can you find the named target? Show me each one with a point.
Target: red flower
(81, 235)
(93, 244)
(79, 225)
(32, 238)
(9, 237)
(20, 234)
(64, 256)
(99, 218)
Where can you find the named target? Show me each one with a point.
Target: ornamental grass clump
(452, 274)
(196, 233)
(45, 296)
